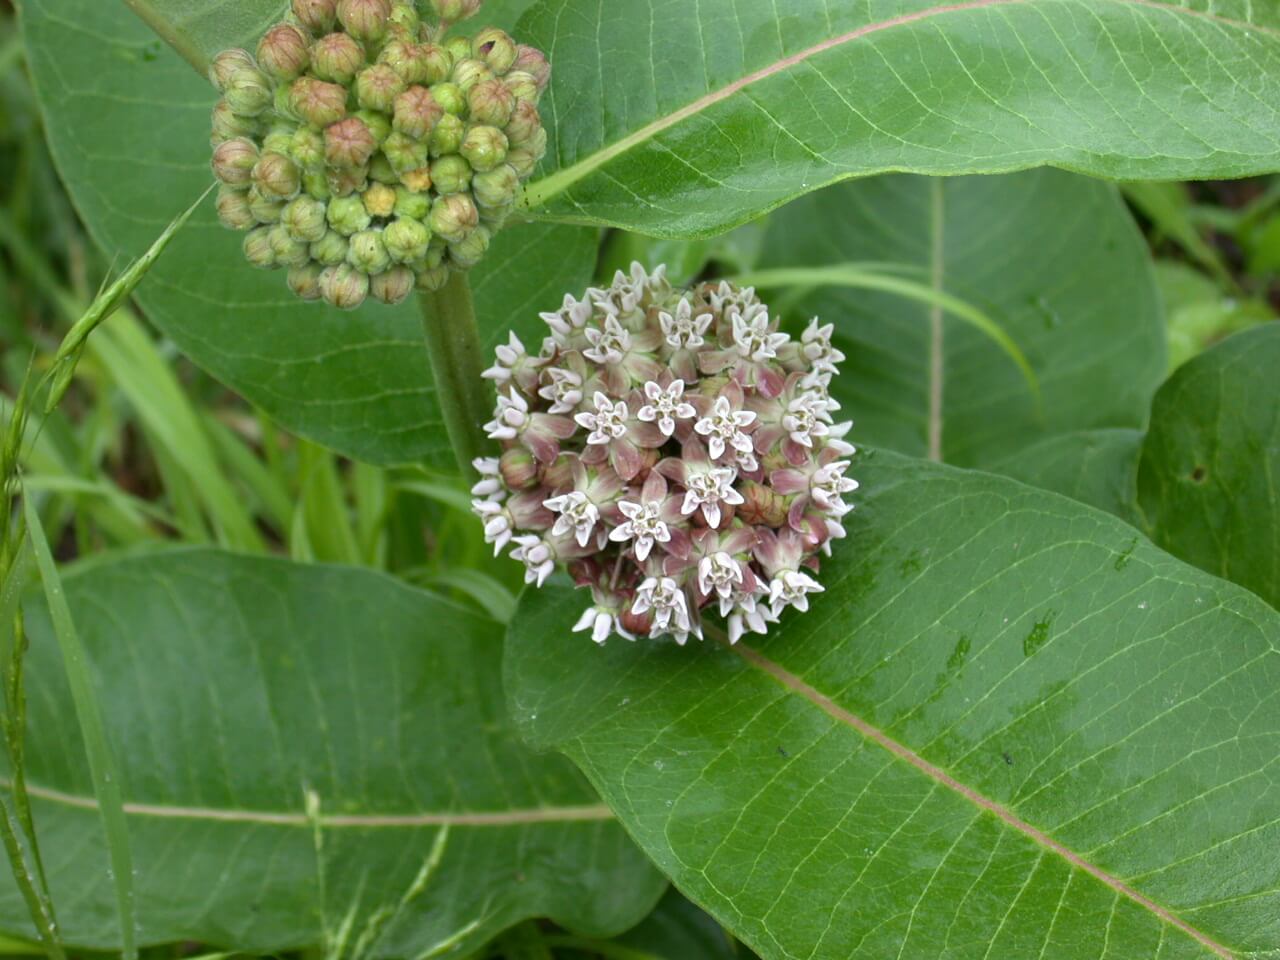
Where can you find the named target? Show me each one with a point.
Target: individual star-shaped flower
(666, 405)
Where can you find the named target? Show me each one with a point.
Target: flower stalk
(453, 346)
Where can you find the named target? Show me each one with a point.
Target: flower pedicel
(674, 452)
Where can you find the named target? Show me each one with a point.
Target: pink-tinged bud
(451, 99)
(348, 144)
(495, 188)
(533, 61)
(525, 157)
(233, 209)
(377, 87)
(249, 94)
(638, 624)
(432, 278)
(229, 64)
(284, 52)
(406, 240)
(405, 153)
(447, 137)
(416, 112)
(306, 146)
(234, 160)
(451, 11)
(453, 217)
(331, 249)
(406, 59)
(450, 174)
(305, 220)
(437, 63)
(379, 200)
(344, 286)
(304, 281)
(228, 126)
(524, 124)
(277, 177)
(393, 286)
(317, 102)
(495, 48)
(257, 248)
(366, 20)
(762, 505)
(343, 183)
(470, 250)
(318, 16)
(523, 86)
(467, 73)
(484, 148)
(491, 102)
(288, 251)
(518, 468)
(337, 58)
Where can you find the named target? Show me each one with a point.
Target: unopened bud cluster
(674, 451)
(371, 152)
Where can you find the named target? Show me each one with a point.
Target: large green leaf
(1053, 258)
(1209, 479)
(128, 125)
(1097, 467)
(688, 118)
(1010, 727)
(230, 686)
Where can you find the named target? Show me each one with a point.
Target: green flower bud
(233, 209)
(315, 183)
(349, 144)
(348, 216)
(526, 156)
(436, 253)
(451, 174)
(453, 217)
(405, 153)
(234, 160)
(377, 87)
(305, 219)
(381, 171)
(368, 253)
(432, 278)
(467, 73)
(343, 183)
(470, 250)
(495, 188)
(523, 86)
(405, 16)
(366, 20)
(452, 11)
(257, 248)
(317, 102)
(265, 209)
(288, 251)
(282, 103)
(279, 139)
(277, 177)
(533, 61)
(306, 146)
(393, 286)
(451, 99)
(304, 280)
(406, 240)
(344, 286)
(318, 16)
(406, 59)
(411, 205)
(491, 103)
(447, 136)
(494, 217)
(379, 124)
(284, 52)
(416, 112)
(484, 148)
(379, 200)
(337, 58)
(227, 65)
(249, 94)
(331, 249)
(437, 62)
(495, 48)
(228, 126)
(459, 48)
(524, 124)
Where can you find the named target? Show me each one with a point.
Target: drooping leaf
(1010, 727)
(679, 119)
(679, 930)
(1209, 479)
(1053, 258)
(230, 687)
(128, 125)
(1097, 467)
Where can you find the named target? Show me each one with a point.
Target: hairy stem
(453, 348)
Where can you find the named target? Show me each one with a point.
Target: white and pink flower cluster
(674, 451)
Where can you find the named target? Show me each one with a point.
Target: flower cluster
(370, 152)
(674, 451)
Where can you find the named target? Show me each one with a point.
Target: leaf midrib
(794, 684)
(461, 818)
(540, 191)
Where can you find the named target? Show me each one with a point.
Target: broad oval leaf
(1010, 727)
(679, 119)
(230, 685)
(1053, 258)
(1097, 467)
(128, 126)
(1209, 479)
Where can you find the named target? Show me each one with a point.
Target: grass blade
(102, 765)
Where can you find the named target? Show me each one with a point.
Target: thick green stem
(453, 347)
